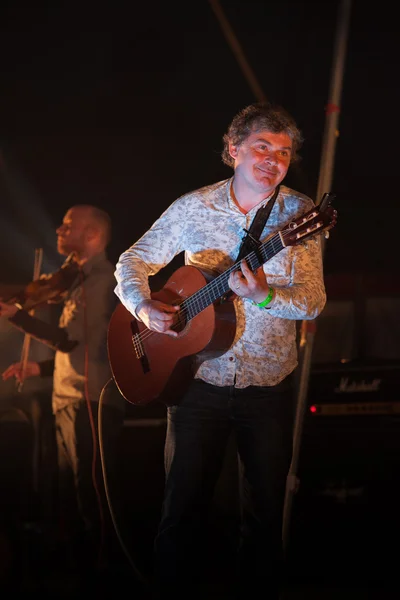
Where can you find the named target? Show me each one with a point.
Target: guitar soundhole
(181, 321)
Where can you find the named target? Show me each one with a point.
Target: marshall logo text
(350, 387)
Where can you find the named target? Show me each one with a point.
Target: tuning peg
(326, 235)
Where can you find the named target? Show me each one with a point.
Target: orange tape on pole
(331, 108)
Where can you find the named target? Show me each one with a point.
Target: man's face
(262, 160)
(72, 234)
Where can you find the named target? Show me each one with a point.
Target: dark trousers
(83, 505)
(197, 435)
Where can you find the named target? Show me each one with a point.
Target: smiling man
(249, 388)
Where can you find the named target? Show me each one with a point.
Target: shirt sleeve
(305, 296)
(50, 335)
(153, 251)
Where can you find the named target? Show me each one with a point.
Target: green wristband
(267, 300)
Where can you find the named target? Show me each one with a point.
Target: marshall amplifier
(350, 441)
(345, 509)
(354, 388)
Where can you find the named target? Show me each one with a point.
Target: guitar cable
(135, 569)
(91, 418)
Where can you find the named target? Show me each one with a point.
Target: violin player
(80, 371)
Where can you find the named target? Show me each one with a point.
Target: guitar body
(168, 363)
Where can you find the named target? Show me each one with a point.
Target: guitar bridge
(139, 349)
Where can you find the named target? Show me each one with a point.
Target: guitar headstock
(319, 220)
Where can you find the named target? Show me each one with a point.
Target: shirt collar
(252, 210)
(94, 260)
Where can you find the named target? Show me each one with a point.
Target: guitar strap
(251, 242)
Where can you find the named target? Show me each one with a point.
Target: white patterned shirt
(208, 227)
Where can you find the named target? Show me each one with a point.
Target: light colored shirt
(208, 227)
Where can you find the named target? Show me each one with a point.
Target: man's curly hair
(257, 117)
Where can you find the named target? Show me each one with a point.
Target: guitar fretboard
(218, 287)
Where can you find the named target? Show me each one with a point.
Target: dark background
(124, 105)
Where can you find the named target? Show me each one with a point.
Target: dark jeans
(197, 435)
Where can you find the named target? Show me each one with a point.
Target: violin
(48, 289)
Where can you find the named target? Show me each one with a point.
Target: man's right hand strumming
(158, 316)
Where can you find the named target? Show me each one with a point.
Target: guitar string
(190, 302)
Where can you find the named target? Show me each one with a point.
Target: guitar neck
(218, 287)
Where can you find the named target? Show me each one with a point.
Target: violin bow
(27, 339)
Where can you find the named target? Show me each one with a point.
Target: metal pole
(324, 184)
(332, 109)
(238, 52)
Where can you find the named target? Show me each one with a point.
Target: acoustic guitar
(148, 366)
